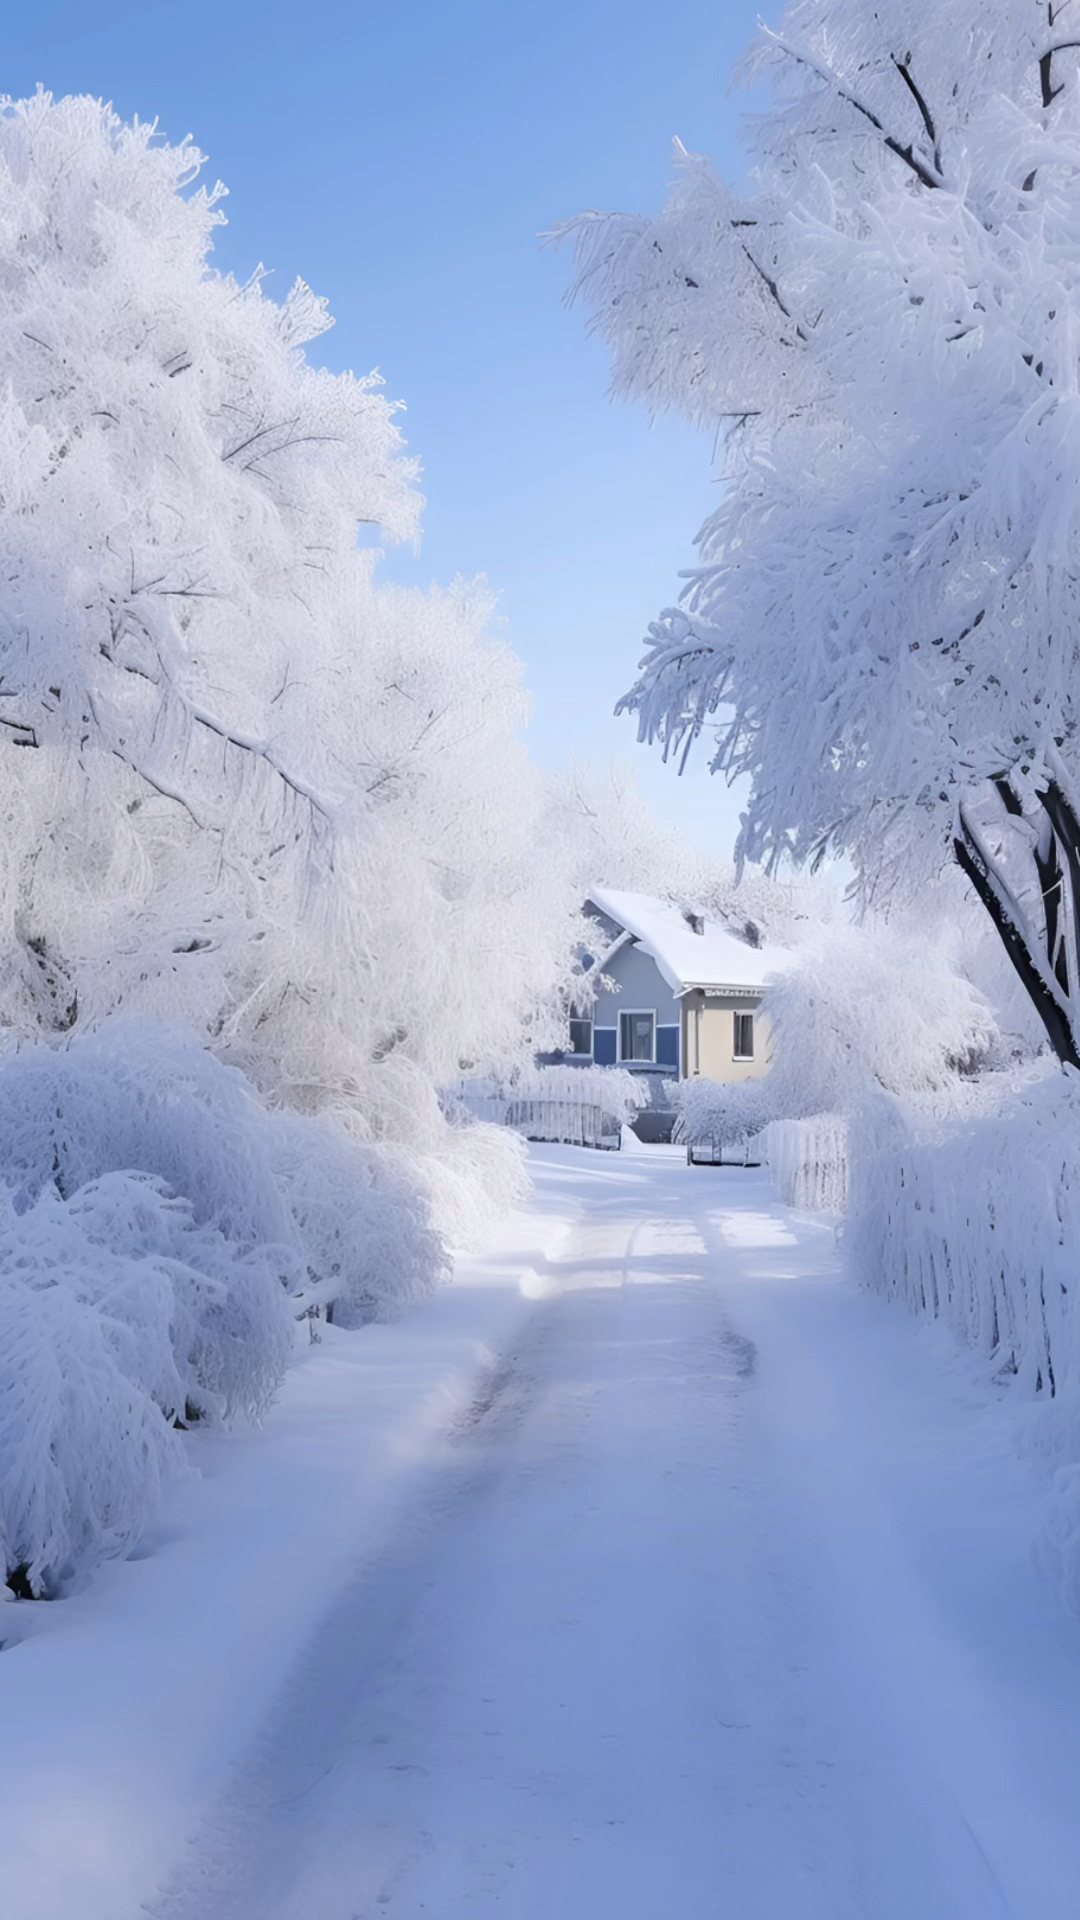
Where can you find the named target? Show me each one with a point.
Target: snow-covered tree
(244, 782)
(615, 839)
(279, 811)
(884, 329)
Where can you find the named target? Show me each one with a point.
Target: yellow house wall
(708, 1038)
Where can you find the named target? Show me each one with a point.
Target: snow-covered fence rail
(575, 1106)
(808, 1160)
(977, 1223)
(724, 1150)
(575, 1123)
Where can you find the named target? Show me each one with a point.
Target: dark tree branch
(1066, 831)
(25, 735)
(1049, 91)
(774, 290)
(927, 175)
(972, 862)
(905, 73)
(1051, 887)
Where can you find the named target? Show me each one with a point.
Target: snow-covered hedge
(724, 1114)
(808, 1160)
(160, 1231)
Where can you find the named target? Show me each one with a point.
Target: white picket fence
(572, 1123)
(745, 1151)
(571, 1106)
(808, 1160)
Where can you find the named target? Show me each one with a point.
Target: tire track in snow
(520, 1703)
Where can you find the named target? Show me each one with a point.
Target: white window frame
(742, 1013)
(628, 1013)
(581, 1020)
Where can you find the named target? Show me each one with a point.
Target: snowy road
(714, 1604)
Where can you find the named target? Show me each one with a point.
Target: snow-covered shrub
(877, 1005)
(473, 1180)
(722, 1113)
(83, 1447)
(120, 1318)
(808, 1160)
(135, 1094)
(230, 1318)
(363, 1221)
(91, 1382)
(290, 1194)
(160, 1231)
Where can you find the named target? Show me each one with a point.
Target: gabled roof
(715, 959)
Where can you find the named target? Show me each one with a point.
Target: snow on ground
(709, 1595)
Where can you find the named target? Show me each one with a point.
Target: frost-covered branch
(929, 176)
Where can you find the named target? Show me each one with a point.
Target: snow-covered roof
(714, 959)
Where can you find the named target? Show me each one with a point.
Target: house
(685, 996)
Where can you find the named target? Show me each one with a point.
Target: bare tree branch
(1049, 91)
(904, 70)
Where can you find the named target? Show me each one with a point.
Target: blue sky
(403, 159)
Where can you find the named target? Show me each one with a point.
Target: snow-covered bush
(135, 1094)
(160, 1231)
(474, 1178)
(121, 1319)
(83, 1445)
(721, 1113)
(878, 1005)
(363, 1222)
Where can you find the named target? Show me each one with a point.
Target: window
(744, 1036)
(637, 1036)
(580, 1035)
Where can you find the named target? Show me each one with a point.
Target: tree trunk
(1045, 959)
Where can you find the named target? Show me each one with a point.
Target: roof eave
(717, 987)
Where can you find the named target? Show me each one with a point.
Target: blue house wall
(641, 989)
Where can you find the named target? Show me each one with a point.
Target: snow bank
(160, 1231)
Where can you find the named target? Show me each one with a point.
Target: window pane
(744, 1036)
(581, 1036)
(637, 1036)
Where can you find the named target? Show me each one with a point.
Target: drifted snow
(649, 1569)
